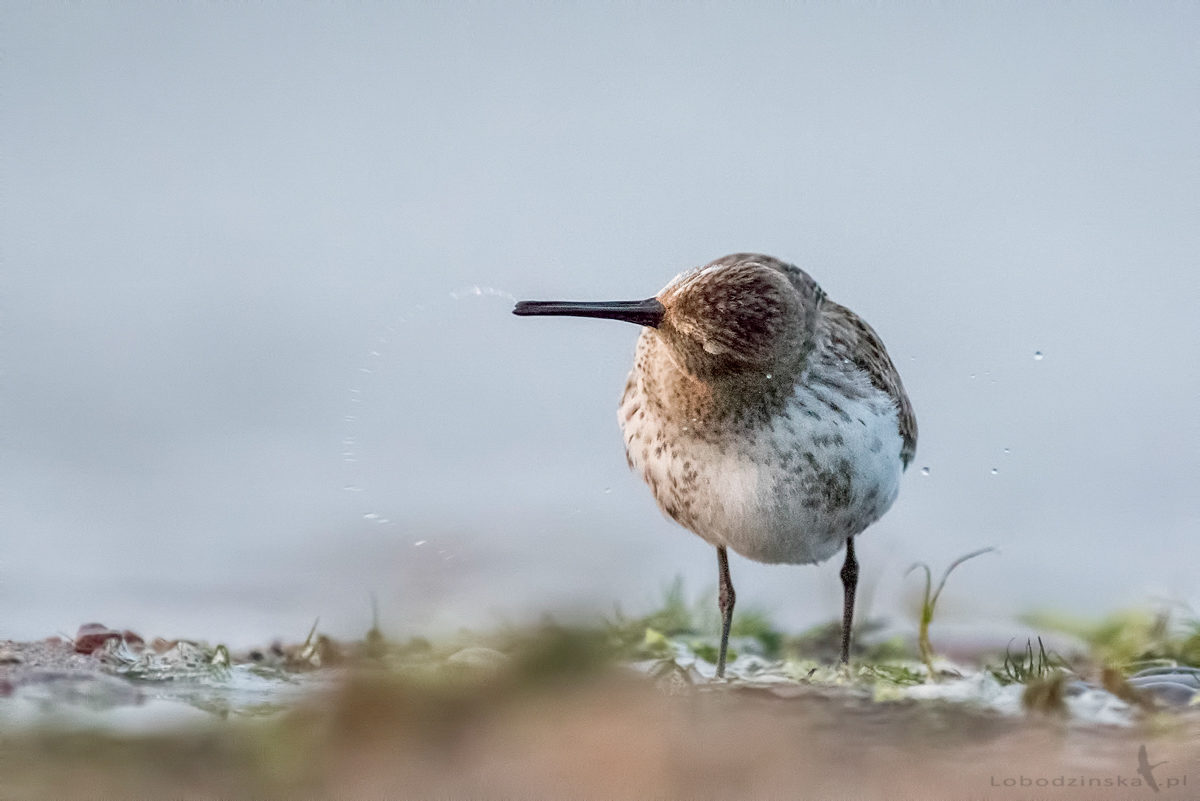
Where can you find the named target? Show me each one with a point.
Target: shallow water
(117, 681)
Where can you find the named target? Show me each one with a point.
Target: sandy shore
(600, 733)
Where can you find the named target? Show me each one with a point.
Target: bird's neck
(676, 392)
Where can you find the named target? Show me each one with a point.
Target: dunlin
(765, 417)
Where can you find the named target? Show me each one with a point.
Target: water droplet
(419, 543)
(481, 291)
(608, 490)
(352, 488)
(995, 471)
(769, 376)
(924, 471)
(1038, 355)
(1006, 450)
(364, 370)
(374, 353)
(349, 418)
(370, 516)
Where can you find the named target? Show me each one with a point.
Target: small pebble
(93, 635)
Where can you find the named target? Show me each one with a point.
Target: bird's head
(744, 317)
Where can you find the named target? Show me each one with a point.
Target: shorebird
(765, 418)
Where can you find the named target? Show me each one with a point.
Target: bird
(765, 418)
(1146, 770)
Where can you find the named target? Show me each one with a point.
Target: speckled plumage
(764, 417)
(780, 457)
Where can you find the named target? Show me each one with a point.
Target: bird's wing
(851, 338)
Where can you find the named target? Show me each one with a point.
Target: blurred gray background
(258, 262)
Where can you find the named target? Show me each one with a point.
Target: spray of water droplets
(475, 291)
(352, 482)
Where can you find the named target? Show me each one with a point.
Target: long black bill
(642, 312)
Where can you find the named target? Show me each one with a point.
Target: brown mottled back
(851, 338)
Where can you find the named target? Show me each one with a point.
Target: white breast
(789, 491)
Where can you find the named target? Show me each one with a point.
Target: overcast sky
(258, 262)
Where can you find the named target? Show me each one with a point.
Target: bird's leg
(849, 585)
(725, 599)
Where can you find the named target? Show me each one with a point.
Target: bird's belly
(791, 491)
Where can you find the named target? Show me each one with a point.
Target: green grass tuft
(1132, 639)
(900, 675)
(930, 599)
(1028, 666)
(650, 635)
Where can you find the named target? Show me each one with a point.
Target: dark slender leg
(725, 599)
(849, 585)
